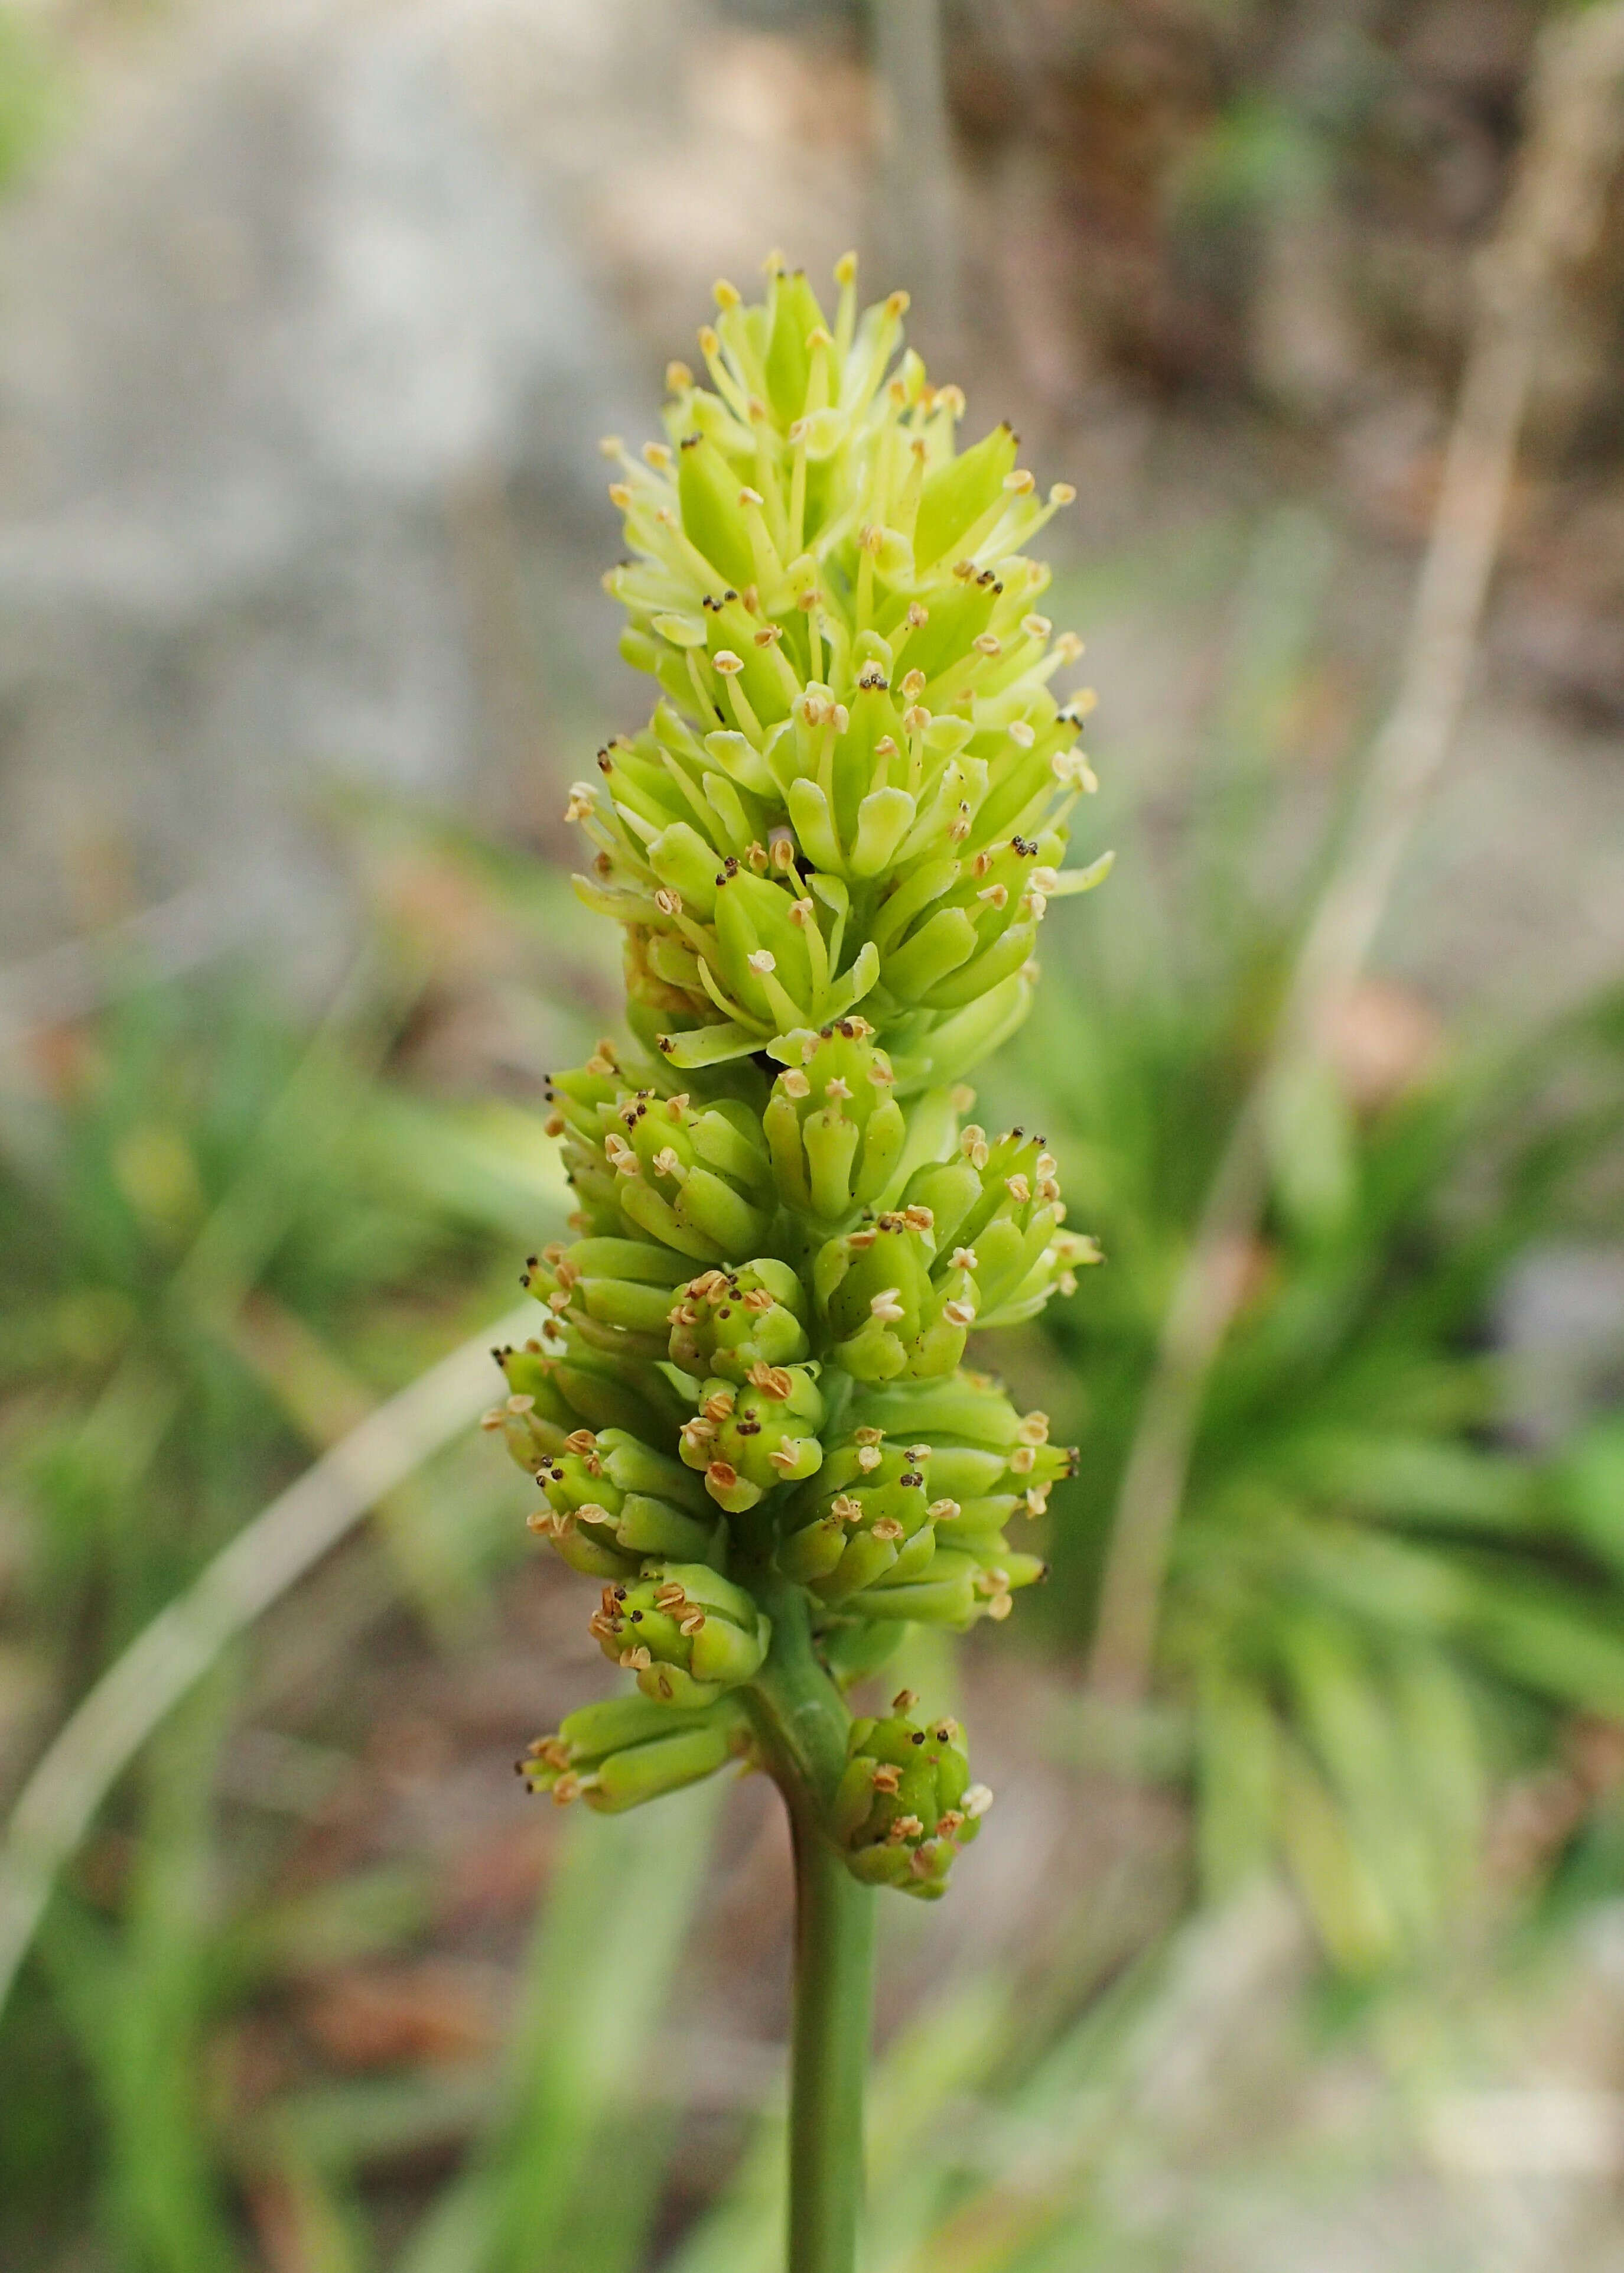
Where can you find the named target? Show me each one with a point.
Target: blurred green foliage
(33, 92)
(226, 1230)
(1380, 1603)
(217, 1253)
(197, 1212)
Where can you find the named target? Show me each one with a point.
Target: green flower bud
(990, 1460)
(871, 1524)
(685, 1632)
(534, 1419)
(626, 1750)
(766, 940)
(694, 1178)
(892, 1309)
(618, 1290)
(749, 1439)
(906, 1803)
(709, 492)
(834, 1128)
(952, 1593)
(729, 1322)
(686, 863)
(618, 1318)
(634, 1466)
(586, 1543)
(978, 927)
(575, 1381)
(586, 1370)
(960, 493)
(611, 1501)
(1001, 1205)
(577, 1099)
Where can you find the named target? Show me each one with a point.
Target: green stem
(802, 1721)
(834, 1996)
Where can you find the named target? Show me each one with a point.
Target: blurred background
(1302, 1945)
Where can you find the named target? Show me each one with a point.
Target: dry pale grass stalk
(271, 1554)
(1572, 145)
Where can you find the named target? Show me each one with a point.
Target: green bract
(831, 850)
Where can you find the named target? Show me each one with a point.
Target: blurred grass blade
(326, 1400)
(1350, 1908)
(304, 2221)
(568, 2175)
(298, 1527)
(141, 2003)
(1239, 1759)
(327, 2130)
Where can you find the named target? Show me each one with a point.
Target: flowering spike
(831, 851)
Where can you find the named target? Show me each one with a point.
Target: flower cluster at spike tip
(830, 851)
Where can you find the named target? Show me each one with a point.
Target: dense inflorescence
(830, 851)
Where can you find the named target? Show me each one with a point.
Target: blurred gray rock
(1560, 1329)
(299, 391)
